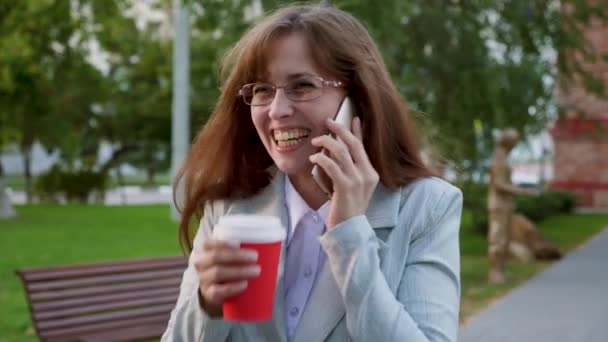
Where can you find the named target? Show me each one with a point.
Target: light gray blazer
(391, 274)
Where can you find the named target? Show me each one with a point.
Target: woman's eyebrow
(298, 75)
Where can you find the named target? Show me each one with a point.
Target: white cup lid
(249, 228)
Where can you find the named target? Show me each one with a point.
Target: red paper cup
(264, 234)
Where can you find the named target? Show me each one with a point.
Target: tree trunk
(6, 207)
(26, 151)
(150, 177)
(121, 185)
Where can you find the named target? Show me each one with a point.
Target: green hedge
(537, 208)
(74, 186)
(475, 199)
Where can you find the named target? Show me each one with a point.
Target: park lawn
(565, 231)
(45, 235)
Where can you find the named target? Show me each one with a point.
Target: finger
(356, 128)
(342, 132)
(217, 293)
(338, 151)
(354, 143)
(226, 257)
(331, 168)
(223, 256)
(215, 243)
(221, 274)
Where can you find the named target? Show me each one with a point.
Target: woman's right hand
(223, 270)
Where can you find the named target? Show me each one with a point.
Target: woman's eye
(262, 89)
(302, 86)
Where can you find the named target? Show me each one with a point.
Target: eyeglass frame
(325, 84)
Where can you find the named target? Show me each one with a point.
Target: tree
(475, 66)
(41, 73)
(135, 117)
(466, 67)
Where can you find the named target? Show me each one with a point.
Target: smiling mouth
(291, 137)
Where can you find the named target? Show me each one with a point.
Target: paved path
(568, 302)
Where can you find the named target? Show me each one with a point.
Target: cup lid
(249, 228)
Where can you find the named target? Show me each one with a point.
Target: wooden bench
(111, 301)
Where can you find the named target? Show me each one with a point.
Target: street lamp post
(180, 119)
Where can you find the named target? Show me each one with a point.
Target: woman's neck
(306, 186)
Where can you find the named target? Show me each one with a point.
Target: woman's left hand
(350, 170)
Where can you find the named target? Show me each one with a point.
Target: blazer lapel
(325, 307)
(323, 311)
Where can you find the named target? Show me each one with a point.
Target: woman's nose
(280, 106)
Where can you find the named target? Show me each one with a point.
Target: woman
(379, 259)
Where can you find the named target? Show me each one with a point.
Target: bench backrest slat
(82, 301)
(101, 299)
(100, 290)
(101, 328)
(104, 317)
(82, 270)
(111, 306)
(134, 333)
(58, 284)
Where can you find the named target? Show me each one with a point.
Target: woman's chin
(292, 167)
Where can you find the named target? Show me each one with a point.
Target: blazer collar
(382, 212)
(383, 209)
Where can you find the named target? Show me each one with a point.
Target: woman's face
(286, 126)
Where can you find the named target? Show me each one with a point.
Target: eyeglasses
(298, 90)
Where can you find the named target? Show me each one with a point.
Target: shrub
(48, 185)
(536, 208)
(547, 203)
(475, 197)
(76, 186)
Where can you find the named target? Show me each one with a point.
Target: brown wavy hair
(228, 160)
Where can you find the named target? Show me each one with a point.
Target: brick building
(581, 137)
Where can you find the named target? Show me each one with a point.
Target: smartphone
(344, 116)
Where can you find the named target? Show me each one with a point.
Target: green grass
(46, 235)
(566, 232)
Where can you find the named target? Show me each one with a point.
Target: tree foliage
(45, 83)
(466, 67)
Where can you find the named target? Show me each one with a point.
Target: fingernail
(250, 255)
(254, 270)
(233, 243)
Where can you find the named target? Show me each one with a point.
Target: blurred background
(91, 91)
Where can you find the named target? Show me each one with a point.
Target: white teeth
(285, 143)
(290, 134)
